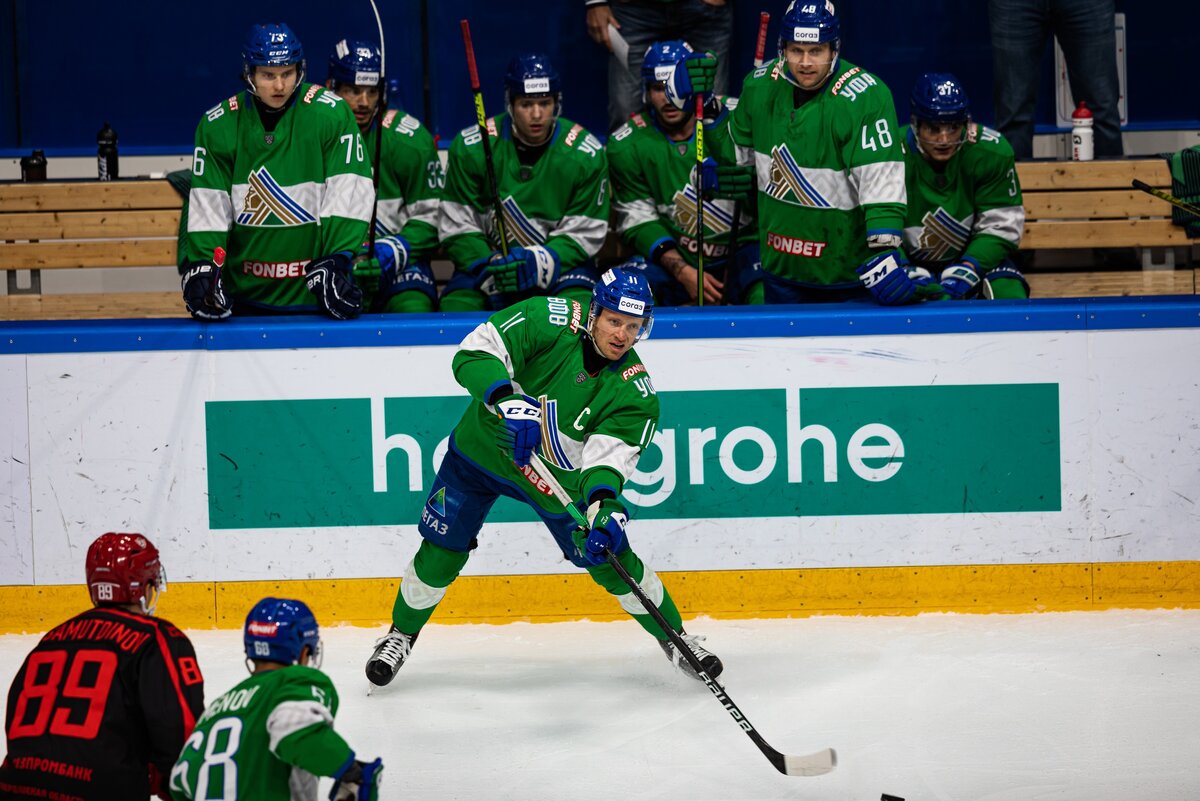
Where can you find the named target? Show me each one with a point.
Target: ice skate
(710, 661)
(391, 651)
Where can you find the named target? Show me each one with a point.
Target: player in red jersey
(101, 707)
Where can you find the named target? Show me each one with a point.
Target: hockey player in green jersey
(271, 736)
(652, 161)
(282, 185)
(544, 377)
(552, 179)
(965, 213)
(822, 135)
(399, 278)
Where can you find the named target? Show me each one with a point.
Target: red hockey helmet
(124, 569)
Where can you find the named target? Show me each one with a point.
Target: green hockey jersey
(969, 210)
(275, 201)
(830, 173)
(561, 201)
(267, 739)
(654, 195)
(410, 182)
(594, 428)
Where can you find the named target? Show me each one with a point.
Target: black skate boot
(391, 651)
(708, 660)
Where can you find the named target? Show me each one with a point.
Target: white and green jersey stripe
(275, 201)
(594, 428)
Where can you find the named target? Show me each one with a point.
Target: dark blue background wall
(152, 67)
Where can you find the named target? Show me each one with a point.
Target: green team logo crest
(791, 452)
(788, 182)
(517, 225)
(718, 219)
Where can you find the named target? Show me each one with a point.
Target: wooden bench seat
(134, 223)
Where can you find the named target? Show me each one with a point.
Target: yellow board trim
(718, 593)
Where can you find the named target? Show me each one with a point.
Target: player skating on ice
(104, 702)
(551, 376)
(271, 736)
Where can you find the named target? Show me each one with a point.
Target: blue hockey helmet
(939, 97)
(277, 629)
(271, 44)
(659, 62)
(356, 63)
(809, 22)
(532, 75)
(624, 292)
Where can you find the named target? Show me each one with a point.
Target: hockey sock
(409, 302)
(470, 300)
(1007, 288)
(424, 585)
(648, 580)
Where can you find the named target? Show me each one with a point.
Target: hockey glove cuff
(393, 254)
(203, 294)
(520, 427)
(329, 279)
(692, 75)
(730, 182)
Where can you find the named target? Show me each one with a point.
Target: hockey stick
(1167, 196)
(699, 200)
(379, 115)
(815, 764)
(481, 118)
(760, 51)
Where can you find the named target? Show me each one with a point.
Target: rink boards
(982, 457)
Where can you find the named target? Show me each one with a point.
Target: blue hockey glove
(535, 267)
(886, 276)
(357, 781)
(392, 253)
(607, 519)
(692, 75)
(960, 280)
(726, 181)
(203, 294)
(329, 279)
(520, 427)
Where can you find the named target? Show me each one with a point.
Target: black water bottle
(106, 153)
(33, 167)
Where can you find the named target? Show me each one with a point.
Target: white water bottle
(1082, 136)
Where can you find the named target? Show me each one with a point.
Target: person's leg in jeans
(1088, 37)
(1019, 32)
(641, 25)
(709, 28)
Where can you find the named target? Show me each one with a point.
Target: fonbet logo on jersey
(725, 453)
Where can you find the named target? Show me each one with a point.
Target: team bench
(134, 223)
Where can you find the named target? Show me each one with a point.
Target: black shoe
(391, 651)
(708, 660)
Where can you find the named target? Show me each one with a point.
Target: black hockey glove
(330, 280)
(203, 294)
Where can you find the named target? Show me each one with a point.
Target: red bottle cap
(1082, 112)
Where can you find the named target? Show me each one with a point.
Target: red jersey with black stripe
(102, 703)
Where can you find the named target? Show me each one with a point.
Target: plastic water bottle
(1082, 136)
(33, 167)
(106, 153)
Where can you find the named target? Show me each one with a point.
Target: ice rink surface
(1087, 706)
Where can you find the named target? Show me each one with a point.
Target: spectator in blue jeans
(1086, 32)
(706, 24)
